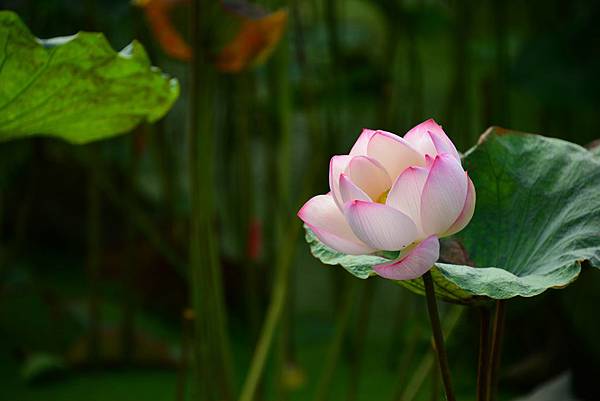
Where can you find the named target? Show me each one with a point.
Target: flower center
(383, 197)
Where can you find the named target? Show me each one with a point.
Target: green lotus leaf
(537, 219)
(360, 266)
(76, 88)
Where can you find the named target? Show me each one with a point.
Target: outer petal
(367, 174)
(405, 194)
(328, 223)
(443, 195)
(360, 146)
(443, 144)
(337, 165)
(350, 191)
(467, 212)
(380, 226)
(393, 152)
(419, 138)
(416, 263)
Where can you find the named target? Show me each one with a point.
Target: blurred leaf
(169, 38)
(254, 42)
(537, 219)
(41, 365)
(76, 88)
(255, 39)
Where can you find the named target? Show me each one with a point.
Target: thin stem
(93, 265)
(335, 347)
(211, 340)
(276, 306)
(423, 368)
(360, 335)
(497, 334)
(438, 336)
(484, 356)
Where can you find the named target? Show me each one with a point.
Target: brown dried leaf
(170, 40)
(254, 42)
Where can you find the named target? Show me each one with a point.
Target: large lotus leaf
(77, 87)
(537, 218)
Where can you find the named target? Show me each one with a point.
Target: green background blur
(92, 292)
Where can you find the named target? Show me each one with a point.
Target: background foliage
(93, 252)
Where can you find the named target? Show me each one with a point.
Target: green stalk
(484, 356)
(333, 118)
(274, 312)
(243, 103)
(128, 298)
(3, 250)
(164, 160)
(212, 362)
(333, 352)
(458, 108)
(438, 336)
(280, 87)
(93, 267)
(435, 386)
(186, 330)
(497, 335)
(409, 349)
(284, 228)
(426, 365)
(502, 114)
(360, 335)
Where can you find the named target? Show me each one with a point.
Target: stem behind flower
(438, 336)
(497, 334)
(484, 356)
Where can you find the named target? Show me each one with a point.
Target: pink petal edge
(414, 264)
(360, 146)
(337, 165)
(467, 212)
(322, 215)
(350, 191)
(443, 195)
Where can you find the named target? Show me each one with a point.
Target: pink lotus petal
(350, 191)
(419, 138)
(393, 152)
(367, 174)
(337, 165)
(360, 146)
(414, 264)
(429, 161)
(380, 226)
(328, 223)
(444, 194)
(405, 194)
(442, 143)
(467, 212)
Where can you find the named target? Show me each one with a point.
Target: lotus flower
(394, 194)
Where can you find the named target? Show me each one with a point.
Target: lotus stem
(360, 335)
(211, 340)
(484, 356)
(424, 367)
(497, 335)
(94, 239)
(273, 317)
(333, 352)
(438, 337)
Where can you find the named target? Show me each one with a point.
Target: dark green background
(530, 66)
